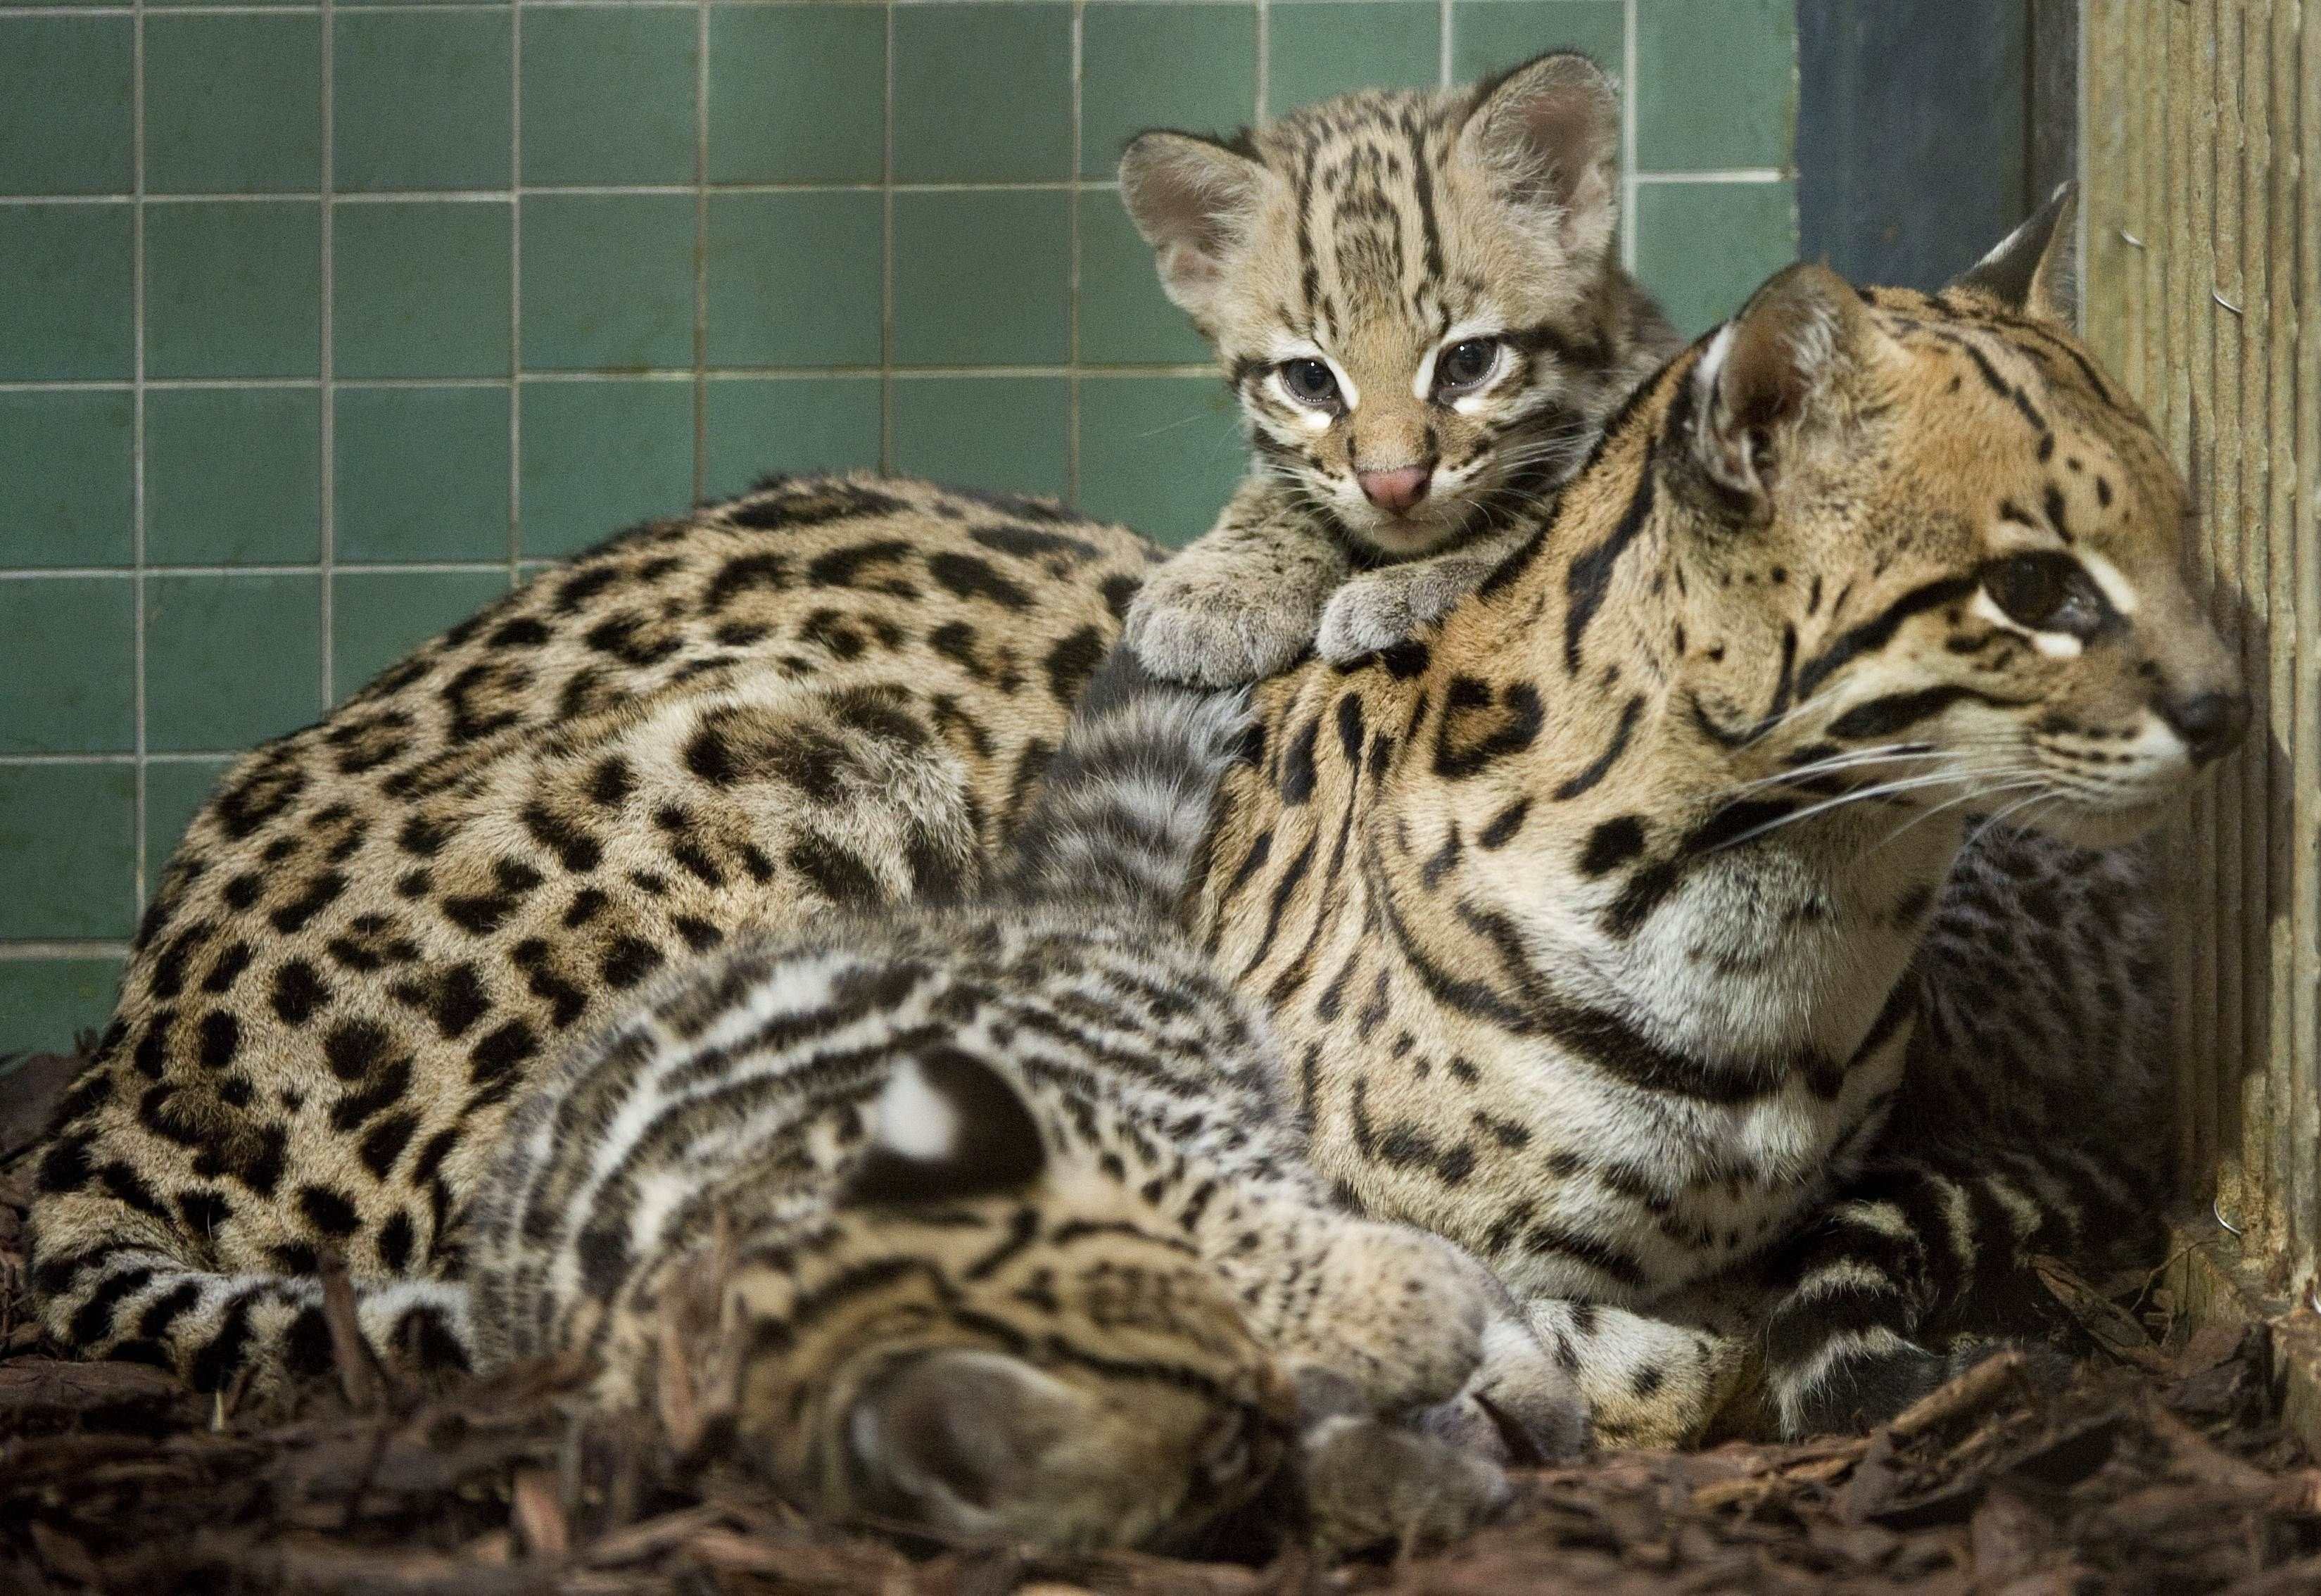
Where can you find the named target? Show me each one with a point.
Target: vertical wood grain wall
(2203, 236)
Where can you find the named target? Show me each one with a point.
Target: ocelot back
(1418, 298)
(1517, 892)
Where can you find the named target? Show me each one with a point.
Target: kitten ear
(2035, 269)
(1193, 201)
(1758, 386)
(947, 1126)
(1550, 132)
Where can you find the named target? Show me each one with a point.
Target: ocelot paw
(1208, 634)
(1519, 1408)
(1379, 608)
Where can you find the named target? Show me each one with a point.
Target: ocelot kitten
(1597, 924)
(1418, 298)
(677, 810)
(991, 1219)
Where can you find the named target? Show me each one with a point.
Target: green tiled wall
(320, 323)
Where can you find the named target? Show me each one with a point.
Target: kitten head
(1414, 293)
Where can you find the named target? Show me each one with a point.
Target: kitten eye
(1466, 363)
(1310, 382)
(2044, 592)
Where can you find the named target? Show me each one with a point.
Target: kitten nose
(2211, 723)
(1395, 490)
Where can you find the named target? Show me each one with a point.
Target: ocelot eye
(1465, 364)
(2045, 592)
(1310, 382)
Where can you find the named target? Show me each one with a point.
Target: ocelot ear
(947, 1126)
(1773, 375)
(1549, 132)
(2035, 271)
(1195, 201)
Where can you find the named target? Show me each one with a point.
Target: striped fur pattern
(1424, 282)
(1596, 924)
(987, 1219)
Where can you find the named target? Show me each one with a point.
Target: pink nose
(1395, 490)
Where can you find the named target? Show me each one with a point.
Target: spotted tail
(1122, 816)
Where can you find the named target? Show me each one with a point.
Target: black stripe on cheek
(1588, 577)
(1883, 717)
(1877, 631)
(1603, 762)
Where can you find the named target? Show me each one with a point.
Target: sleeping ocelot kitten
(1417, 299)
(1621, 928)
(991, 1219)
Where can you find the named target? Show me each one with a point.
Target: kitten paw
(1520, 1408)
(1215, 637)
(1365, 1482)
(1379, 608)
(1405, 1317)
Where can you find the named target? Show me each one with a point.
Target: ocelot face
(1412, 295)
(1994, 609)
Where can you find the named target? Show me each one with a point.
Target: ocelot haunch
(1416, 298)
(1617, 928)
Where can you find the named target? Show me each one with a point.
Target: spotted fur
(1596, 926)
(985, 1218)
(1443, 265)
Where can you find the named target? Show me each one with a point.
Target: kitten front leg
(1382, 607)
(1242, 601)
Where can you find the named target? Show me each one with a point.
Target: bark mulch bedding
(2159, 1469)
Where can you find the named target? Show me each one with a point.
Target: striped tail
(134, 1303)
(1122, 816)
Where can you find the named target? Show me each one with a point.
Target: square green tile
(1126, 320)
(46, 1003)
(982, 279)
(1190, 67)
(797, 94)
(1717, 84)
(378, 616)
(65, 292)
(68, 654)
(609, 93)
(68, 851)
(233, 476)
(983, 92)
(601, 456)
(794, 279)
(421, 288)
(1162, 454)
(607, 282)
(421, 473)
(230, 661)
(68, 476)
(419, 99)
(759, 425)
(1316, 49)
(175, 791)
(1702, 247)
(1001, 432)
(232, 289)
(1489, 36)
(233, 104)
(65, 117)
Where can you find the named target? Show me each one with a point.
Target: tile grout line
(1443, 45)
(887, 258)
(326, 467)
(1072, 261)
(701, 252)
(139, 841)
(1264, 59)
(1628, 176)
(516, 293)
(30, 949)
